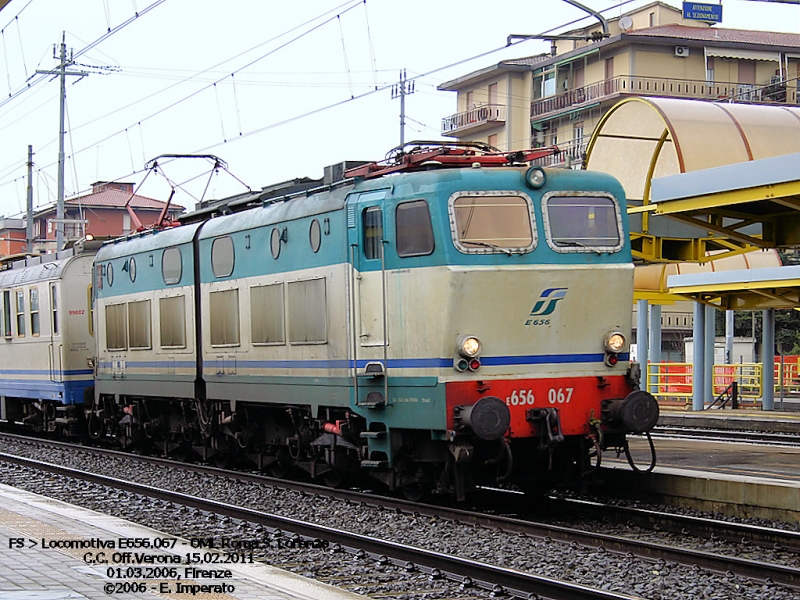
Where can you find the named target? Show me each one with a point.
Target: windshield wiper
(487, 245)
(574, 244)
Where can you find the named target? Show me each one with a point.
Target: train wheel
(334, 479)
(282, 467)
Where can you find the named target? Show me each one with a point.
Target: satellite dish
(626, 23)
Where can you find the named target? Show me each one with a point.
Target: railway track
(727, 435)
(501, 581)
(505, 502)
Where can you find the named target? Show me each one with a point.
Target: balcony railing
(573, 151)
(478, 115)
(775, 93)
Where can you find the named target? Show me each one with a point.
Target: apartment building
(558, 98)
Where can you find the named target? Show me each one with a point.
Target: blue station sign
(698, 11)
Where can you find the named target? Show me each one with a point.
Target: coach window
(414, 229)
(492, 222)
(222, 256)
(7, 314)
(20, 313)
(266, 313)
(224, 317)
(139, 325)
(172, 321)
(171, 265)
(54, 308)
(373, 232)
(116, 327)
(34, 299)
(307, 307)
(577, 222)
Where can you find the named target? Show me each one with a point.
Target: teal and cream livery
(449, 317)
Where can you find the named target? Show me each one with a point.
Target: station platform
(739, 419)
(742, 479)
(50, 550)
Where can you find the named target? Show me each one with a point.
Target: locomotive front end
(541, 382)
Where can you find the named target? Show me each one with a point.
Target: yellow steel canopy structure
(641, 140)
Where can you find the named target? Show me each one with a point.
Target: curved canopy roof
(642, 138)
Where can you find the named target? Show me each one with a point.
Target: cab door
(367, 242)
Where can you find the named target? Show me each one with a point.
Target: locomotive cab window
(492, 222)
(582, 222)
(414, 232)
(373, 232)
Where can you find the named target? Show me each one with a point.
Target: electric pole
(61, 71)
(401, 90)
(29, 217)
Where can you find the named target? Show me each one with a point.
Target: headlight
(535, 178)
(614, 341)
(468, 346)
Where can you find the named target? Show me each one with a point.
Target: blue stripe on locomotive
(251, 230)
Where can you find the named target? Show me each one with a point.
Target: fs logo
(546, 305)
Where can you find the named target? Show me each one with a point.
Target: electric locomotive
(448, 318)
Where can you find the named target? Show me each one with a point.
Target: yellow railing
(791, 378)
(673, 382)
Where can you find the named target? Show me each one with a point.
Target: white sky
(160, 97)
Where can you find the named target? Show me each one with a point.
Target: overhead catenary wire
(354, 97)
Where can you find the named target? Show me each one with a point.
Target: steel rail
(681, 524)
(727, 435)
(481, 574)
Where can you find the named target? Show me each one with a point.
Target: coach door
(55, 347)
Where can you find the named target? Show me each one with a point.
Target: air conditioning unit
(682, 51)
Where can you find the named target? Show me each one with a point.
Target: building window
(577, 135)
(224, 318)
(171, 265)
(554, 136)
(172, 321)
(34, 300)
(20, 313)
(470, 100)
(139, 325)
(493, 140)
(652, 19)
(308, 310)
(266, 314)
(414, 232)
(373, 232)
(549, 84)
(222, 256)
(116, 327)
(710, 70)
(493, 93)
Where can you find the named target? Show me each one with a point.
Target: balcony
(475, 119)
(571, 154)
(777, 92)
